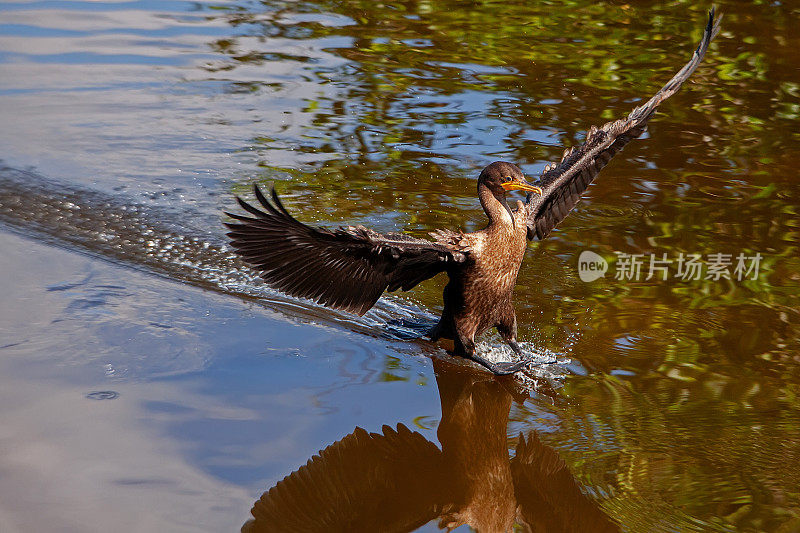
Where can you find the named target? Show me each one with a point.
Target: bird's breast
(496, 262)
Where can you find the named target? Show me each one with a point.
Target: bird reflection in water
(398, 480)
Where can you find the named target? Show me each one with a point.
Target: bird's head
(501, 176)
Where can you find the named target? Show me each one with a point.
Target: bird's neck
(496, 209)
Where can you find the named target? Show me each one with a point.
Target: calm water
(149, 382)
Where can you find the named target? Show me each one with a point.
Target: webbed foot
(502, 368)
(508, 367)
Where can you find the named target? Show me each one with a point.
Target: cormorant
(350, 267)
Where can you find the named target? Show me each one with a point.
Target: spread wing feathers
(347, 268)
(549, 497)
(563, 183)
(389, 481)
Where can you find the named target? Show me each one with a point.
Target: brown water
(149, 382)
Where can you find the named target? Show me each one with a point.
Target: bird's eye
(506, 179)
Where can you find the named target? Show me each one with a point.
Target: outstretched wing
(347, 268)
(563, 183)
(390, 481)
(548, 496)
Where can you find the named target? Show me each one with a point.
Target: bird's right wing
(548, 496)
(563, 183)
(347, 268)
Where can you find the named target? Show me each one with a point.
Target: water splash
(545, 365)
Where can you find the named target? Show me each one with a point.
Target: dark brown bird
(350, 267)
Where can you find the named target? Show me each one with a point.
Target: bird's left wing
(563, 183)
(347, 268)
(390, 481)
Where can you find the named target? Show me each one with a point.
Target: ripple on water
(103, 395)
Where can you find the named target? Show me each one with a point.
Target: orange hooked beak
(517, 184)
